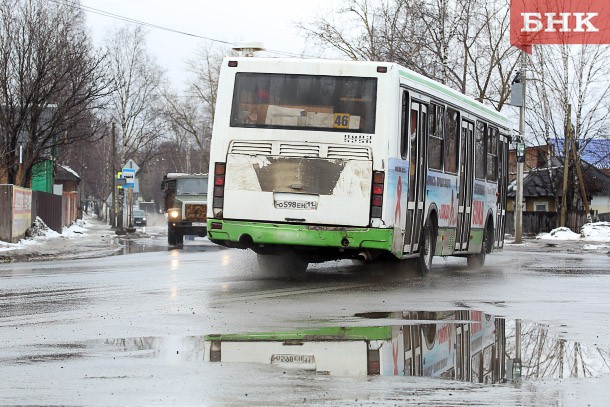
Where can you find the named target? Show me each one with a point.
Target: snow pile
(597, 232)
(76, 229)
(595, 246)
(40, 229)
(561, 233)
(39, 232)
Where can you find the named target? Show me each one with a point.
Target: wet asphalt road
(128, 329)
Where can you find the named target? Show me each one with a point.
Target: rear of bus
(294, 161)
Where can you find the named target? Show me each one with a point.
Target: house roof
(592, 150)
(537, 182)
(65, 173)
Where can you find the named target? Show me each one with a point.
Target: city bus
(459, 345)
(315, 160)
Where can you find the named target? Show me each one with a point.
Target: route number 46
(341, 121)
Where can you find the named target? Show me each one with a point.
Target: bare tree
(367, 30)
(461, 43)
(191, 116)
(565, 75)
(490, 59)
(51, 83)
(135, 101)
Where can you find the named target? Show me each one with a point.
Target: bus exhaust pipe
(364, 256)
(246, 241)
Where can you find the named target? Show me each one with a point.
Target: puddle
(460, 345)
(148, 246)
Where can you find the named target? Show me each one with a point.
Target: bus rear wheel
(282, 265)
(476, 261)
(426, 248)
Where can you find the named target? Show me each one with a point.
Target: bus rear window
(329, 103)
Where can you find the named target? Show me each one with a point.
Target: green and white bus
(315, 160)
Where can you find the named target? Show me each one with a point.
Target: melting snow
(597, 232)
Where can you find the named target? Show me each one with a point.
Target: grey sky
(271, 22)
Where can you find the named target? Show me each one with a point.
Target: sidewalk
(90, 238)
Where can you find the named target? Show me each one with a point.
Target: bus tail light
(219, 190)
(377, 194)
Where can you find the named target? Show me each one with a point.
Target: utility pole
(113, 210)
(581, 181)
(520, 148)
(566, 165)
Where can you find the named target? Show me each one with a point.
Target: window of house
(435, 136)
(541, 206)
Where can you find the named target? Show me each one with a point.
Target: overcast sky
(271, 22)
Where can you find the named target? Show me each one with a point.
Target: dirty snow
(596, 232)
(40, 233)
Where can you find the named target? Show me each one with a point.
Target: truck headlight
(174, 214)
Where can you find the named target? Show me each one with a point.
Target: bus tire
(427, 245)
(476, 261)
(282, 265)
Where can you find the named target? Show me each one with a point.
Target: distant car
(139, 217)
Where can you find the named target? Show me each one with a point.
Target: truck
(185, 202)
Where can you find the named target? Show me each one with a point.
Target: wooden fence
(543, 222)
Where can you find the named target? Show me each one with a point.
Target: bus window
(479, 150)
(404, 133)
(492, 154)
(451, 140)
(328, 103)
(413, 160)
(435, 140)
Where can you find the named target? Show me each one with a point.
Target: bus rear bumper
(245, 235)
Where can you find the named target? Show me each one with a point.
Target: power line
(108, 14)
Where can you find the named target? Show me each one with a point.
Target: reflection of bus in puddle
(462, 345)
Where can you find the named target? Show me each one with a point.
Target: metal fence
(48, 207)
(6, 214)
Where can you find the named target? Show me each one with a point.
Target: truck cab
(185, 202)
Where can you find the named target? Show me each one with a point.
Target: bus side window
(492, 154)
(413, 123)
(452, 132)
(435, 137)
(404, 134)
(479, 150)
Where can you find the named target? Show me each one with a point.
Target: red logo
(559, 22)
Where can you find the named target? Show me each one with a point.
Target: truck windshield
(193, 186)
(329, 103)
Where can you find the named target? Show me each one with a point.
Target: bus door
(502, 187)
(466, 177)
(418, 122)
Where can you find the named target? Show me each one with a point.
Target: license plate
(198, 224)
(307, 362)
(304, 205)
